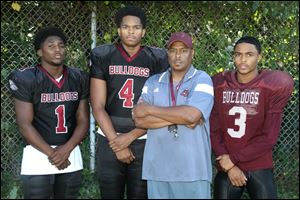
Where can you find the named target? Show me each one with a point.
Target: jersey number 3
(61, 120)
(126, 93)
(241, 122)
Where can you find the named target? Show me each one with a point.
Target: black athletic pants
(56, 186)
(260, 185)
(114, 175)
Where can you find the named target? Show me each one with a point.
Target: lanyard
(173, 97)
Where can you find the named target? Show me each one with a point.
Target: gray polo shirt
(187, 157)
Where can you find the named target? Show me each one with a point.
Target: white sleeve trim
(205, 88)
(145, 90)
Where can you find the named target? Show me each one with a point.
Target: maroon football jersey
(54, 103)
(125, 77)
(246, 118)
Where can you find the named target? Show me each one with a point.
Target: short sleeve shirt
(187, 157)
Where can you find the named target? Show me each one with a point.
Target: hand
(125, 155)
(225, 162)
(64, 165)
(59, 157)
(237, 177)
(140, 110)
(121, 142)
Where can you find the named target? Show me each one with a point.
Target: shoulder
(24, 75)
(23, 78)
(221, 77)
(156, 77)
(202, 74)
(103, 50)
(77, 73)
(277, 77)
(156, 51)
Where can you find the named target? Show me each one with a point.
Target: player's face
(180, 56)
(52, 51)
(131, 31)
(245, 60)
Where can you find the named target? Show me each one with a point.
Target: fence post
(92, 119)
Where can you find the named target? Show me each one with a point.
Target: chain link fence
(214, 26)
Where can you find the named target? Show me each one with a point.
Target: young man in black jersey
(51, 104)
(118, 73)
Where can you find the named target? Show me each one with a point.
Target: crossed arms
(150, 116)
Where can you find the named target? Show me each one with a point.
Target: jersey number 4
(61, 120)
(126, 93)
(241, 122)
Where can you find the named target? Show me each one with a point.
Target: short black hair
(46, 32)
(130, 10)
(250, 40)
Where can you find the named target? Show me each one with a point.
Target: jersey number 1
(126, 93)
(61, 120)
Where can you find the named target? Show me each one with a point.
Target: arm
(82, 118)
(185, 115)
(98, 100)
(237, 177)
(24, 116)
(150, 122)
(125, 139)
(216, 135)
(265, 141)
(261, 143)
(256, 147)
(217, 141)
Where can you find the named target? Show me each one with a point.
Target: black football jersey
(55, 103)
(125, 77)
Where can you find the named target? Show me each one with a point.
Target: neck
(54, 71)
(246, 78)
(131, 50)
(177, 76)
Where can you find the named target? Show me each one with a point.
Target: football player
(51, 104)
(245, 123)
(118, 73)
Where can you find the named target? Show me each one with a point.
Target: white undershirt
(59, 78)
(35, 162)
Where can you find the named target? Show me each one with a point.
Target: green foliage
(288, 194)
(89, 186)
(214, 25)
(10, 186)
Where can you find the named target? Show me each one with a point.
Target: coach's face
(131, 31)
(180, 57)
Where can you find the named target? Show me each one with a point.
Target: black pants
(114, 175)
(260, 185)
(56, 186)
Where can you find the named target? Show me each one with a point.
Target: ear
(259, 58)
(119, 31)
(39, 53)
(143, 32)
(193, 53)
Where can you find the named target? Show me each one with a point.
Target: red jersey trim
(58, 84)
(125, 55)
